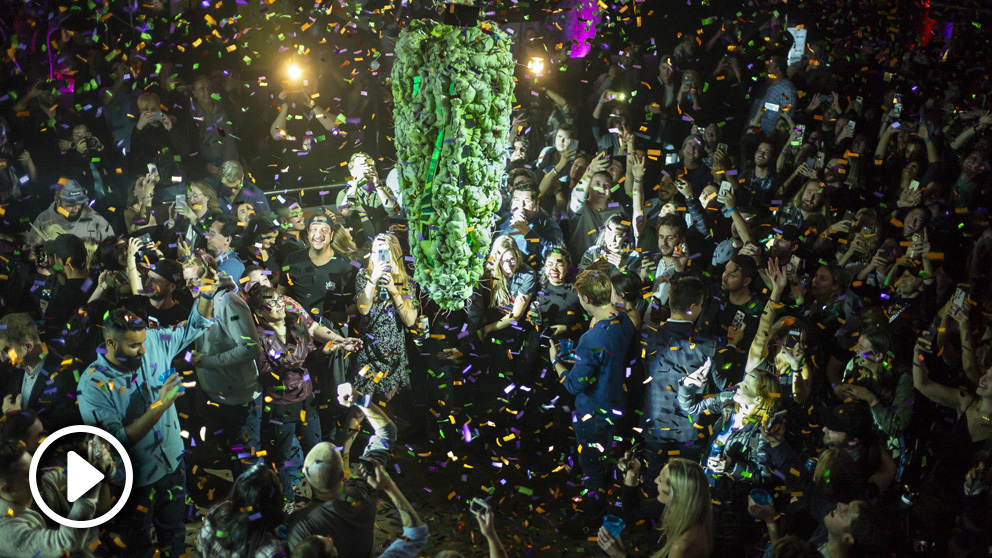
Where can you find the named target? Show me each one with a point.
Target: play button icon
(81, 476)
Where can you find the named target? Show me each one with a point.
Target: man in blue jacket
(129, 391)
(596, 381)
(671, 351)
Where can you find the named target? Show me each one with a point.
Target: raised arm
(939, 394)
(759, 346)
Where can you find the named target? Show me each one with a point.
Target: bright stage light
(294, 72)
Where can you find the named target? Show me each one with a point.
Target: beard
(128, 364)
(73, 217)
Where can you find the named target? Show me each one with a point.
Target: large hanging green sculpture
(453, 91)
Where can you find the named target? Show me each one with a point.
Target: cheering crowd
(737, 304)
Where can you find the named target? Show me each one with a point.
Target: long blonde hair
(344, 244)
(500, 282)
(690, 505)
(769, 390)
(397, 269)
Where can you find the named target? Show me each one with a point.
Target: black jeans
(159, 505)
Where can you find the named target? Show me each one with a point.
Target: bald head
(324, 470)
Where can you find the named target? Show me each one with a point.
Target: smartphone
(811, 162)
(793, 339)
(794, 264)
(827, 99)
(687, 80)
(573, 144)
(859, 100)
(152, 169)
(726, 187)
(776, 419)
(959, 297)
(382, 256)
(851, 125)
(738, 320)
(477, 505)
(180, 200)
(158, 115)
(146, 239)
(679, 250)
(771, 106)
(820, 159)
(914, 185)
(671, 158)
(722, 147)
(700, 130)
(931, 335)
(886, 250)
(802, 134)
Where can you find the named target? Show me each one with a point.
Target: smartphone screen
(771, 106)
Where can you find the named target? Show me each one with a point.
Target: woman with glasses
(287, 339)
(388, 304)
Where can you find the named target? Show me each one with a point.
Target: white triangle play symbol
(80, 477)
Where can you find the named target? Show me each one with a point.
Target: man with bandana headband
(129, 391)
(71, 211)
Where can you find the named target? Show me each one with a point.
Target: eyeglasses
(275, 303)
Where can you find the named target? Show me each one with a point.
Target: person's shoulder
(297, 256)
(693, 543)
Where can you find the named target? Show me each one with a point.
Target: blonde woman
(387, 302)
(737, 457)
(138, 213)
(193, 215)
(344, 243)
(512, 284)
(687, 522)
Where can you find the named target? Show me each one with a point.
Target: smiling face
(972, 164)
(692, 151)
(763, 156)
(273, 309)
(507, 261)
(747, 391)
(812, 198)
(259, 277)
(913, 223)
(320, 235)
(555, 268)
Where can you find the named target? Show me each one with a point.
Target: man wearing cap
(324, 283)
(343, 508)
(851, 427)
(130, 393)
(71, 212)
(155, 302)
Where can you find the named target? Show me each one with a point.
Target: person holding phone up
(387, 302)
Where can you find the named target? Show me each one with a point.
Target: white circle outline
(86, 523)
